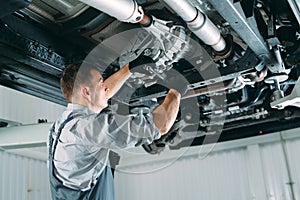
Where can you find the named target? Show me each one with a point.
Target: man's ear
(85, 92)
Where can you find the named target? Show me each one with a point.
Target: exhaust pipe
(199, 23)
(130, 11)
(123, 10)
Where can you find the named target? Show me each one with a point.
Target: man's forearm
(116, 80)
(165, 115)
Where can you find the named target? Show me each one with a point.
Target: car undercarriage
(240, 59)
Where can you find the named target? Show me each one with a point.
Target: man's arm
(124, 131)
(116, 80)
(165, 114)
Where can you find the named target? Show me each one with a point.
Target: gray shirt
(83, 147)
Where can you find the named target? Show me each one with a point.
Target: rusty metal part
(218, 87)
(258, 76)
(227, 52)
(146, 20)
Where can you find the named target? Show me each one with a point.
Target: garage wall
(22, 108)
(23, 178)
(264, 167)
(293, 153)
(254, 168)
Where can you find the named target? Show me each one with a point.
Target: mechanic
(80, 141)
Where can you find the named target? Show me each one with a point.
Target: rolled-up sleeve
(119, 131)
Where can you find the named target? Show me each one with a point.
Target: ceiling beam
(25, 136)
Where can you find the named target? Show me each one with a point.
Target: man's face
(98, 92)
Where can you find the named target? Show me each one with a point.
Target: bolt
(174, 56)
(259, 5)
(170, 24)
(198, 62)
(188, 116)
(279, 106)
(147, 52)
(287, 113)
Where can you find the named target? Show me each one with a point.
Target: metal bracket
(291, 100)
(231, 12)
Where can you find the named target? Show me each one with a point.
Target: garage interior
(237, 134)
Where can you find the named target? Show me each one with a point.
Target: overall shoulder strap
(52, 130)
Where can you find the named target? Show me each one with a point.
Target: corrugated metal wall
(26, 109)
(293, 156)
(219, 176)
(23, 178)
(253, 168)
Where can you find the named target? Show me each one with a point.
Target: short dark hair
(73, 76)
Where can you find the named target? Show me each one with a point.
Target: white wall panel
(252, 168)
(293, 152)
(26, 109)
(275, 171)
(23, 178)
(218, 176)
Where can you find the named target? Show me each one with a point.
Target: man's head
(84, 85)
